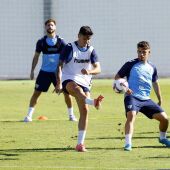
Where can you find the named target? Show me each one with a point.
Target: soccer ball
(120, 85)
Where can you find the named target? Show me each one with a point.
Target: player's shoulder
(91, 48)
(59, 37)
(151, 64)
(132, 62)
(41, 39)
(69, 46)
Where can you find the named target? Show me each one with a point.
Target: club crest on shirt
(129, 106)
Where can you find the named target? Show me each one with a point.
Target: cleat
(27, 119)
(72, 118)
(80, 148)
(97, 102)
(128, 147)
(165, 142)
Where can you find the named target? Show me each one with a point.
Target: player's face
(50, 27)
(83, 40)
(143, 54)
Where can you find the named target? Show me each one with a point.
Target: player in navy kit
(78, 63)
(51, 46)
(141, 76)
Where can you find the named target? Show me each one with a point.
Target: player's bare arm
(117, 77)
(157, 90)
(34, 63)
(58, 87)
(96, 69)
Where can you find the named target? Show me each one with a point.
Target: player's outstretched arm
(34, 63)
(58, 88)
(157, 90)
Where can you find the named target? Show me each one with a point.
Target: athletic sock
(128, 139)
(81, 136)
(89, 101)
(30, 111)
(70, 111)
(162, 135)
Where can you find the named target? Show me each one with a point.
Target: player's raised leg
(81, 96)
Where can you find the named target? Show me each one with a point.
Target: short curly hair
(50, 20)
(144, 45)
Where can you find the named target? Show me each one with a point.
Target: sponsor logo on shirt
(81, 60)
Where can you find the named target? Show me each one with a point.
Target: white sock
(89, 101)
(162, 135)
(128, 139)
(81, 136)
(70, 111)
(30, 111)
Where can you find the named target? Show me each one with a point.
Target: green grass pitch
(50, 144)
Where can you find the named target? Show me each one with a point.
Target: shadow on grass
(135, 137)
(5, 151)
(159, 157)
(54, 149)
(8, 156)
(36, 150)
(121, 148)
(152, 147)
(11, 121)
(8, 159)
(146, 132)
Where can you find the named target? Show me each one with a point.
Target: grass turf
(50, 144)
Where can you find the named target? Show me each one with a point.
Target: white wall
(21, 26)
(118, 26)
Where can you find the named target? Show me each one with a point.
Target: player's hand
(58, 89)
(159, 102)
(85, 72)
(129, 91)
(32, 75)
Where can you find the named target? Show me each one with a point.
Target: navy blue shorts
(147, 107)
(64, 84)
(44, 81)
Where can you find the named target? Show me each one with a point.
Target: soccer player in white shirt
(78, 62)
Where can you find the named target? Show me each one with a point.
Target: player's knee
(131, 116)
(163, 117)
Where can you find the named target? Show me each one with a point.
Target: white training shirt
(79, 60)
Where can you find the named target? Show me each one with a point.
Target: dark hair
(86, 30)
(144, 45)
(50, 20)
